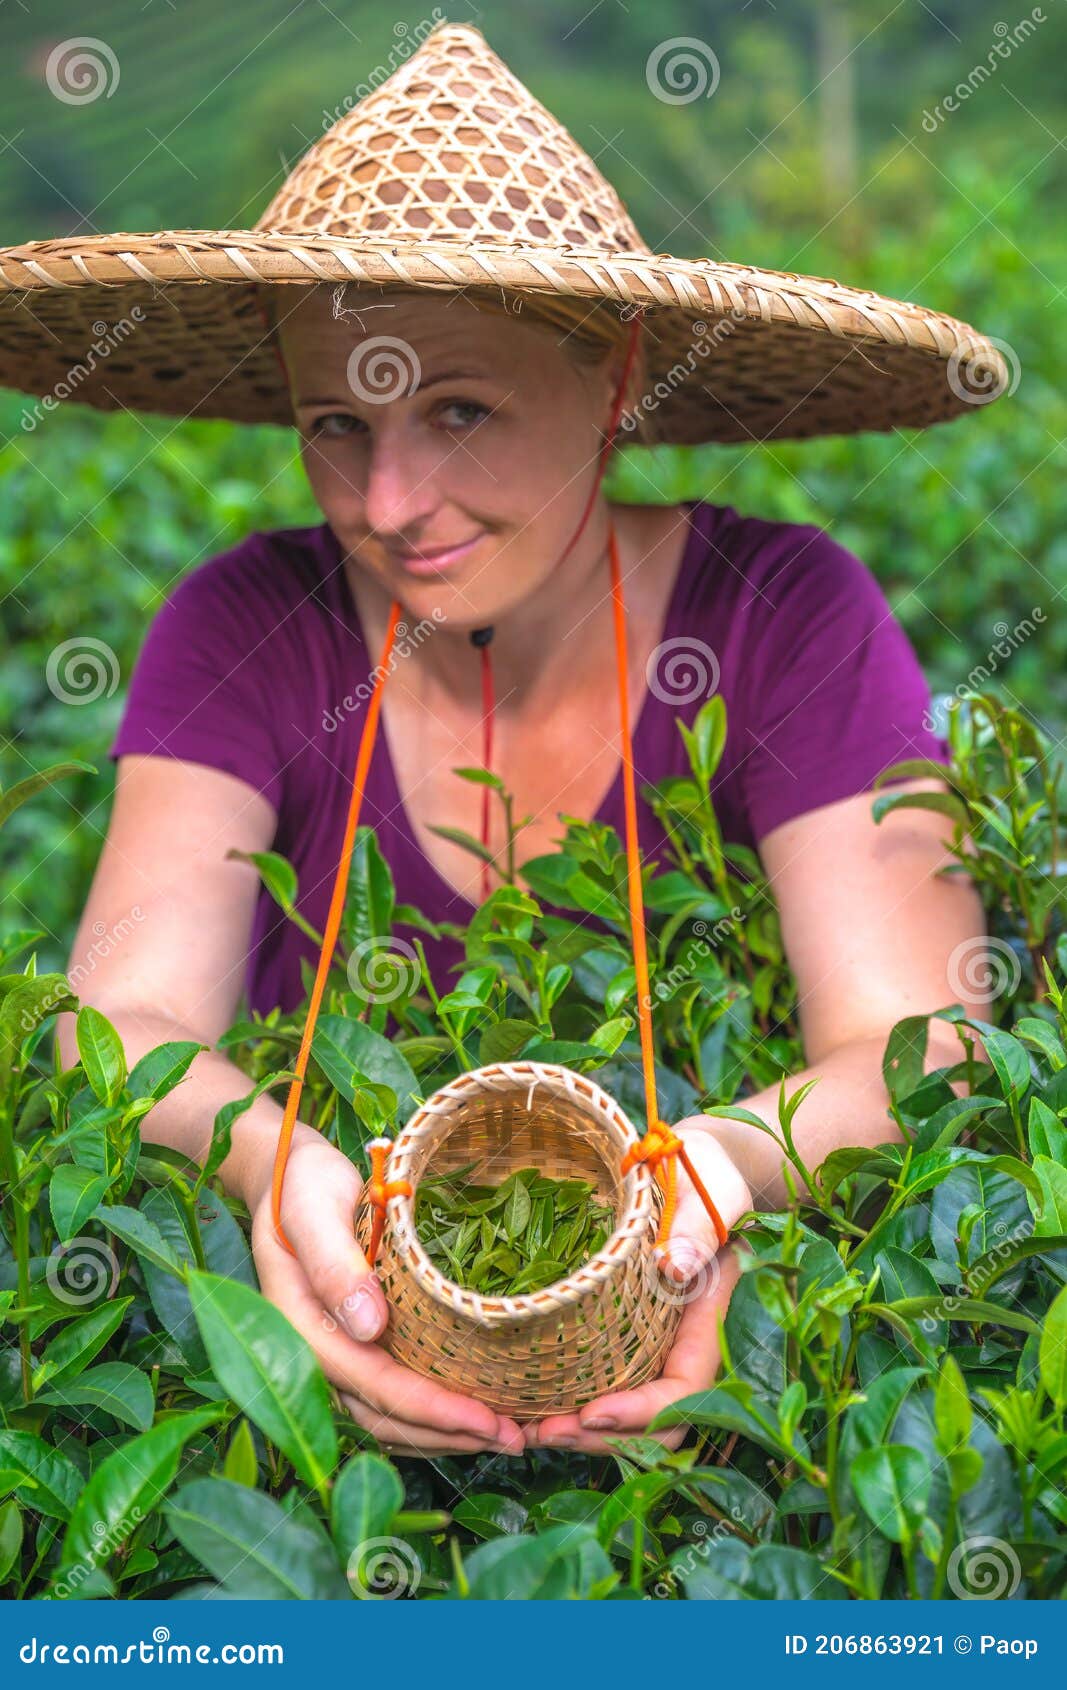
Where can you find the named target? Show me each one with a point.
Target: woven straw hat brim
(169, 323)
(450, 175)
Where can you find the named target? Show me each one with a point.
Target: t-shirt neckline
(610, 804)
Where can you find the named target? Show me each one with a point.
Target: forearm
(848, 1106)
(184, 1119)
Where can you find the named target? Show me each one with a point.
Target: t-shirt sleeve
(200, 690)
(834, 690)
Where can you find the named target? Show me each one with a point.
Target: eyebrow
(432, 381)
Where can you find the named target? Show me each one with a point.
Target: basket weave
(607, 1325)
(452, 176)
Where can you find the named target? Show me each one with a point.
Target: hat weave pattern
(451, 177)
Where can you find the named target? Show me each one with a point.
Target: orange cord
(333, 922)
(660, 1147)
(488, 709)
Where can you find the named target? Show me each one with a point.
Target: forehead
(313, 329)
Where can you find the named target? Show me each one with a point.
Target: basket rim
(631, 1223)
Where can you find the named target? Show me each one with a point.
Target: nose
(399, 491)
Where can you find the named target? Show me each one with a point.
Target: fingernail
(362, 1316)
(559, 1441)
(600, 1423)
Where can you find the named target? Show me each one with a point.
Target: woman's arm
(872, 934)
(185, 913)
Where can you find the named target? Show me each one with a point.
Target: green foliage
(894, 1385)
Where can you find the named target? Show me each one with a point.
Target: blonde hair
(591, 329)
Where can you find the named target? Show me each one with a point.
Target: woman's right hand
(331, 1295)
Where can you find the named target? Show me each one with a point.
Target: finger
(366, 1368)
(691, 1365)
(317, 1218)
(565, 1431)
(414, 1439)
(694, 1240)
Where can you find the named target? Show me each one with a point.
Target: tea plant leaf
(17, 795)
(50, 1483)
(161, 1069)
(102, 1056)
(73, 1194)
(142, 1236)
(366, 1495)
(563, 1562)
(347, 1051)
(1050, 1209)
(269, 1370)
(1053, 1351)
(893, 1485)
(115, 1386)
(225, 1252)
(370, 898)
(126, 1486)
(254, 1549)
(79, 1341)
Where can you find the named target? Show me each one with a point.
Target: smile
(435, 562)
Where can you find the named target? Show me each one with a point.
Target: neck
(549, 633)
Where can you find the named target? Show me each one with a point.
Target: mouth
(435, 561)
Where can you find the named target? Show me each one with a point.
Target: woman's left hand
(703, 1277)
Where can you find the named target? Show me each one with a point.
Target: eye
(321, 425)
(471, 412)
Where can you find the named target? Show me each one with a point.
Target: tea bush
(890, 1415)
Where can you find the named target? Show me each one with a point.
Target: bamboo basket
(606, 1326)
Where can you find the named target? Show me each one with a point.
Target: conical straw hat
(451, 175)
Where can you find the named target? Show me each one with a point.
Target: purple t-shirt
(245, 664)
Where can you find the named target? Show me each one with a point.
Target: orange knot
(659, 1142)
(379, 1189)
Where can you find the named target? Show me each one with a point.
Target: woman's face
(451, 450)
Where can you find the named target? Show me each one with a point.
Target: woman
(457, 494)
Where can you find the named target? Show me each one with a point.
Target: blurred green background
(825, 148)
